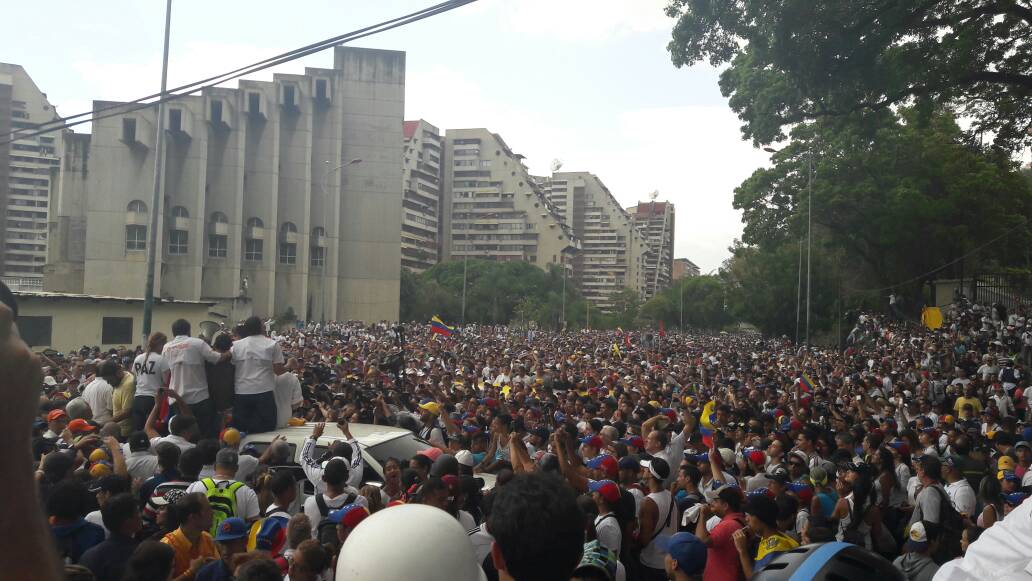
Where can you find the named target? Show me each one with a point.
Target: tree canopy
(793, 61)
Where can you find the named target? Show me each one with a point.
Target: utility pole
(159, 182)
(799, 292)
(809, 237)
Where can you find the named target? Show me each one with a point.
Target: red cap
(795, 424)
(55, 415)
(80, 425)
(606, 488)
(757, 457)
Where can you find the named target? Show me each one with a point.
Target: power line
(184, 90)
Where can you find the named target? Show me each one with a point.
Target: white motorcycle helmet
(413, 541)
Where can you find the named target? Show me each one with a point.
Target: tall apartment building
(612, 250)
(684, 268)
(495, 210)
(420, 237)
(655, 221)
(284, 192)
(29, 167)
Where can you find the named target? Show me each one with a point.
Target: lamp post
(159, 182)
(809, 240)
(322, 187)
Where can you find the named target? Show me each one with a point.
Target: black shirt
(107, 560)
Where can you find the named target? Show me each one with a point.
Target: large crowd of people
(613, 455)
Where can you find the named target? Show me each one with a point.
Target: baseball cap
(55, 415)
(818, 476)
(779, 474)
(628, 463)
(348, 515)
(1023, 444)
(756, 457)
(1005, 463)
(1015, 498)
(635, 441)
(605, 463)
(80, 425)
(1008, 475)
(658, 467)
(688, 551)
(100, 470)
(170, 497)
(606, 488)
(431, 453)
(465, 458)
(593, 441)
(596, 559)
(231, 529)
(230, 436)
(917, 539)
(763, 507)
(900, 446)
(113, 483)
(432, 407)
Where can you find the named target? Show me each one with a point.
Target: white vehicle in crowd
(378, 443)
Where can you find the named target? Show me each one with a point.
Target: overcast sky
(588, 82)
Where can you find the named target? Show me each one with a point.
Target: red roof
(650, 208)
(410, 128)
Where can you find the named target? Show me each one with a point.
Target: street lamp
(322, 188)
(809, 240)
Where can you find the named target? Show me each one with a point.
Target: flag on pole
(438, 326)
(706, 423)
(616, 351)
(805, 383)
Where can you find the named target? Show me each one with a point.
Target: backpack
(326, 532)
(222, 497)
(952, 528)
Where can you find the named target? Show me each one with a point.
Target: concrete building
(66, 322)
(29, 167)
(612, 251)
(421, 207)
(684, 268)
(495, 210)
(655, 221)
(284, 192)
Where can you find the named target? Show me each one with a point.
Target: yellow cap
(1005, 463)
(100, 470)
(98, 455)
(432, 407)
(231, 436)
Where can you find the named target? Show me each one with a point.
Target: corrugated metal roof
(52, 295)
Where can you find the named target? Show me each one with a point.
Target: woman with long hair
(856, 511)
(989, 496)
(392, 479)
(152, 374)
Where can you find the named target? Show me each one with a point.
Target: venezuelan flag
(438, 326)
(616, 350)
(706, 423)
(806, 383)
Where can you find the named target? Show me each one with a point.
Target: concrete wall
(267, 163)
(78, 321)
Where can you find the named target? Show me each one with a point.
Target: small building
(66, 322)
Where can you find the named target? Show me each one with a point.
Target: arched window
(137, 206)
(253, 247)
(318, 250)
(180, 212)
(255, 223)
(288, 243)
(218, 238)
(136, 226)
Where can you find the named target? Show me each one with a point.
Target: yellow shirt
(186, 552)
(962, 401)
(122, 400)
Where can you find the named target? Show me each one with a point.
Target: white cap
(407, 542)
(465, 457)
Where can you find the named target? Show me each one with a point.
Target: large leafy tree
(897, 194)
(793, 61)
(699, 299)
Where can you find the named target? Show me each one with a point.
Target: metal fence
(23, 284)
(998, 288)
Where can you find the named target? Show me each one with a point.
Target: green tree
(793, 61)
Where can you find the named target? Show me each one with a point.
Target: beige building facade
(655, 221)
(286, 193)
(421, 207)
(29, 166)
(612, 250)
(66, 322)
(495, 210)
(684, 268)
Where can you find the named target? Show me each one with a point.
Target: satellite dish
(556, 165)
(654, 195)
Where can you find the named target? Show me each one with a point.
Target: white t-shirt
(183, 443)
(311, 507)
(254, 357)
(186, 357)
(98, 395)
(150, 370)
(288, 394)
(607, 530)
(247, 501)
(246, 466)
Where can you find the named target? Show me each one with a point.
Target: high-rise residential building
(420, 235)
(284, 193)
(29, 167)
(655, 221)
(612, 251)
(494, 209)
(684, 268)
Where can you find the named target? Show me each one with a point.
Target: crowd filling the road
(549, 455)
